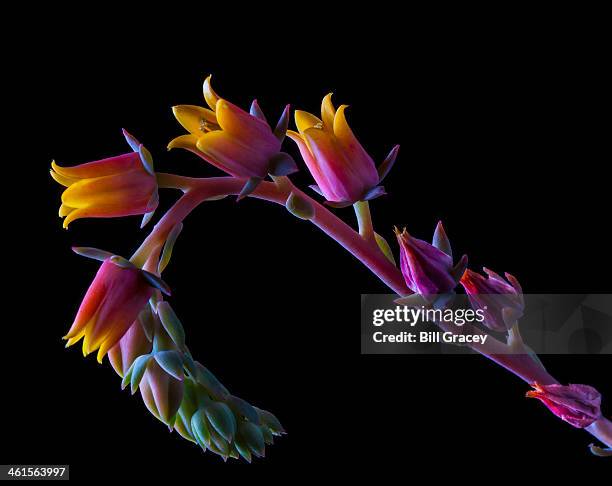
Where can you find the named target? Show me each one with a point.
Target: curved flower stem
(364, 220)
(198, 190)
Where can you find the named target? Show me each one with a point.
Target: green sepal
(168, 247)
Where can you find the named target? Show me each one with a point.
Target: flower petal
(232, 156)
(195, 119)
(304, 121)
(328, 112)
(209, 94)
(246, 128)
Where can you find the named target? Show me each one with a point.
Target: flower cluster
(124, 314)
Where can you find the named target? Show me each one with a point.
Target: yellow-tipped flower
(112, 303)
(345, 173)
(118, 186)
(239, 143)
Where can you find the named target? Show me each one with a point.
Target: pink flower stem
(198, 190)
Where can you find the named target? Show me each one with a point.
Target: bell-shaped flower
(124, 185)
(112, 303)
(428, 269)
(239, 143)
(578, 405)
(344, 172)
(500, 300)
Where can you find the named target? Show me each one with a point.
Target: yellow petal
(341, 127)
(64, 210)
(184, 141)
(328, 112)
(247, 128)
(72, 215)
(305, 120)
(195, 119)
(61, 179)
(209, 94)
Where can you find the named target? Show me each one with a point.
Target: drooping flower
(344, 172)
(124, 185)
(239, 143)
(578, 405)
(428, 268)
(501, 301)
(112, 303)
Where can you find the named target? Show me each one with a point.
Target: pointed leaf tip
(385, 167)
(283, 123)
(93, 253)
(131, 140)
(441, 241)
(249, 186)
(256, 111)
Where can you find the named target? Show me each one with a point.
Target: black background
(504, 136)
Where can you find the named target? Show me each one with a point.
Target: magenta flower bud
(578, 405)
(161, 392)
(134, 343)
(500, 300)
(428, 269)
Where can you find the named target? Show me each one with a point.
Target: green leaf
(137, 371)
(222, 419)
(253, 438)
(171, 362)
(385, 248)
(271, 421)
(171, 324)
(200, 430)
(242, 407)
(299, 207)
(168, 247)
